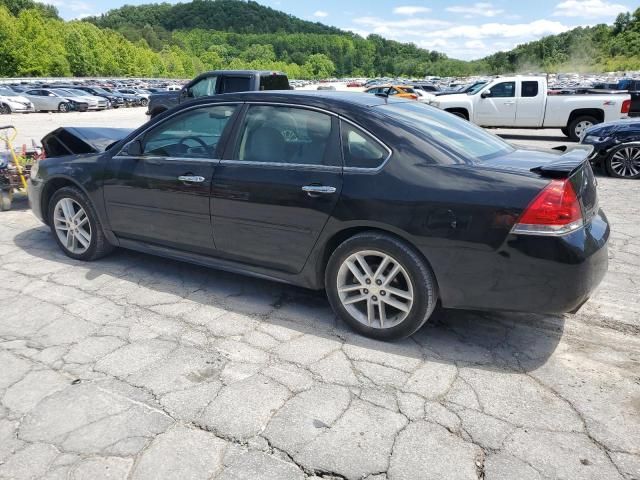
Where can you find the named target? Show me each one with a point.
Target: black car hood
(79, 140)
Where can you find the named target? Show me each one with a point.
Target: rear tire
(578, 125)
(379, 303)
(97, 244)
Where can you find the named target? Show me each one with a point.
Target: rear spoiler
(567, 164)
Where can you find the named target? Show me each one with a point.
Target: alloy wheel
(72, 225)
(581, 127)
(626, 162)
(375, 289)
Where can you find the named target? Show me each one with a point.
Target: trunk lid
(564, 163)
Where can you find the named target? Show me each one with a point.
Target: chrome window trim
(283, 165)
(365, 170)
(170, 159)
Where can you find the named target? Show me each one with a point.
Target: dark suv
(217, 82)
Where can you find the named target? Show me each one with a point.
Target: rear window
(236, 84)
(452, 134)
(274, 82)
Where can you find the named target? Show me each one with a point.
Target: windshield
(68, 93)
(456, 135)
(475, 88)
(100, 90)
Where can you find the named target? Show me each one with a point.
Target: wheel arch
(340, 236)
(51, 186)
(458, 110)
(596, 113)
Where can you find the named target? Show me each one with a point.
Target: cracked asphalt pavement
(139, 367)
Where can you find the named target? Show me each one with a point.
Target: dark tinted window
(359, 149)
(451, 133)
(529, 89)
(504, 89)
(274, 82)
(287, 135)
(236, 84)
(191, 134)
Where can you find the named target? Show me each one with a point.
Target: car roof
(337, 101)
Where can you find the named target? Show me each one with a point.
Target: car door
(530, 103)
(277, 185)
(496, 106)
(38, 100)
(157, 188)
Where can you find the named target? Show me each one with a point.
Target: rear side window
(274, 82)
(235, 84)
(204, 88)
(360, 150)
(529, 89)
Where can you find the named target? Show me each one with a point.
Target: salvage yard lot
(139, 367)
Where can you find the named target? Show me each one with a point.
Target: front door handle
(191, 178)
(311, 189)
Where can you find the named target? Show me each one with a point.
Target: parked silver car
(52, 100)
(95, 102)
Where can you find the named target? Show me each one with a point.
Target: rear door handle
(191, 178)
(509, 103)
(318, 189)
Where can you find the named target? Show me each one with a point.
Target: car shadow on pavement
(509, 342)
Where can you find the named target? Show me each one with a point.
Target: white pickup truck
(522, 102)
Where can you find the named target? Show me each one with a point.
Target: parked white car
(12, 102)
(522, 102)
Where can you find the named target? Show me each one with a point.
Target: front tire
(624, 162)
(75, 225)
(380, 286)
(63, 107)
(5, 109)
(578, 125)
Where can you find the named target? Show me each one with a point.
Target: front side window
(191, 134)
(504, 89)
(291, 135)
(529, 89)
(204, 88)
(359, 149)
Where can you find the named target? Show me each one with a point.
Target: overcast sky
(461, 29)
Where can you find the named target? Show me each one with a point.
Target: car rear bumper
(532, 273)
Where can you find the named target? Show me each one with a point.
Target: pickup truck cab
(522, 102)
(216, 82)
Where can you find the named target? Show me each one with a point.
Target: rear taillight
(626, 106)
(555, 211)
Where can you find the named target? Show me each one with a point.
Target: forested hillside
(592, 49)
(181, 40)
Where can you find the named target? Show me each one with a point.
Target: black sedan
(616, 147)
(391, 206)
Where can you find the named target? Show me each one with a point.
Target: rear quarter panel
(559, 107)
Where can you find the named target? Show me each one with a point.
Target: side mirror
(133, 148)
(485, 94)
(186, 93)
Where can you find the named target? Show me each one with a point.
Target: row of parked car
(64, 98)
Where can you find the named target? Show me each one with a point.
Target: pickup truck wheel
(578, 125)
(624, 162)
